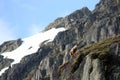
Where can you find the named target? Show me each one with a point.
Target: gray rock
(84, 27)
(10, 45)
(56, 24)
(87, 68)
(97, 71)
(5, 62)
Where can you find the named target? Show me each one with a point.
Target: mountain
(84, 45)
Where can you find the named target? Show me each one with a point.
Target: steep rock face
(4, 62)
(98, 61)
(10, 45)
(97, 72)
(92, 70)
(103, 29)
(106, 21)
(114, 67)
(27, 64)
(89, 69)
(56, 24)
(70, 20)
(106, 17)
(47, 69)
(7, 47)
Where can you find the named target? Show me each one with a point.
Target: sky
(24, 18)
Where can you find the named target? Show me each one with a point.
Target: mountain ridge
(97, 35)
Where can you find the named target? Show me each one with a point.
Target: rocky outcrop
(27, 64)
(56, 24)
(70, 20)
(99, 61)
(98, 54)
(7, 47)
(106, 17)
(10, 45)
(5, 62)
(47, 69)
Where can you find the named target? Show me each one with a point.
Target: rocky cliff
(10, 45)
(7, 47)
(97, 57)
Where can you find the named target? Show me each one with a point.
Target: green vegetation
(98, 50)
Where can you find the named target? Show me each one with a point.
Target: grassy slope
(98, 50)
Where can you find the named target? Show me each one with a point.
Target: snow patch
(30, 45)
(3, 70)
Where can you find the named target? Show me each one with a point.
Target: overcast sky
(23, 18)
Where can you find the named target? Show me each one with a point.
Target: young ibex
(73, 50)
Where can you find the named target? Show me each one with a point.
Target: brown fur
(73, 50)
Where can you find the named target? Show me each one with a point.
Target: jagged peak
(63, 21)
(78, 14)
(83, 10)
(107, 4)
(55, 24)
